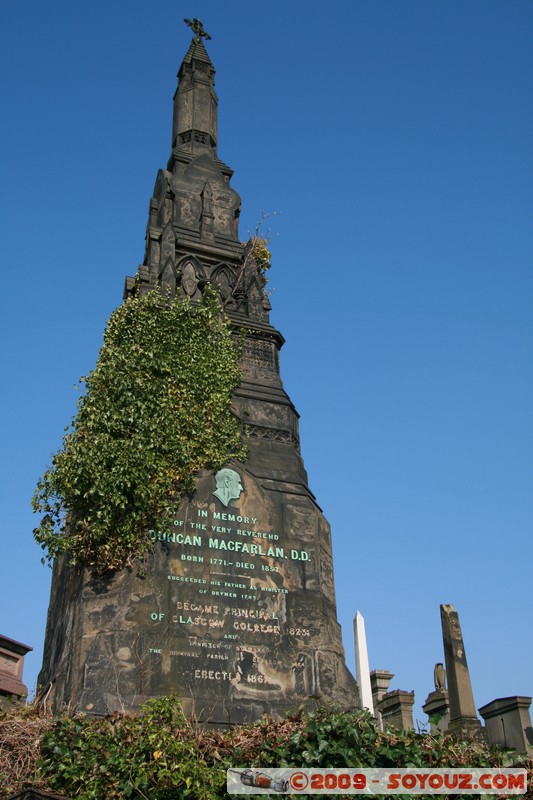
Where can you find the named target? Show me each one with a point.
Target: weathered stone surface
(379, 681)
(231, 614)
(463, 717)
(439, 676)
(437, 705)
(236, 611)
(11, 667)
(396, 709)
(508, 723)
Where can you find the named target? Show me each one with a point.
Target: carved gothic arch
(167, 279)
(161, 183)
(191, 274)
(224, 277)
(168, 245)
(168, 234)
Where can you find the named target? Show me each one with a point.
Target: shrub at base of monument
(155, 411)
(161, 754)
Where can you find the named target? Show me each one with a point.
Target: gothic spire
(192, 234)
(194, 127)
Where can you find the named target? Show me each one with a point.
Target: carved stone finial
(197, 28)
(439, 676)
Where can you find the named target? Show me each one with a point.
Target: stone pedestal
(379, 683)
(508, 723)
(396, 709)
(11, 667)
(437, 705)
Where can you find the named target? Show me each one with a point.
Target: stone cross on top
(197, 28)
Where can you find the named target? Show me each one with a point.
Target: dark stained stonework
(236, 612)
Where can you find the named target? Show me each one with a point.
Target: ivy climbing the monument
(156, 409)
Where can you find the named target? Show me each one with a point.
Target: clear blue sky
(394, 139)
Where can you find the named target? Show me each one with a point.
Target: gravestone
(236, 612)
(379, 682)
(508, 723)
(463, 717)
(11, 669)
(396, 709)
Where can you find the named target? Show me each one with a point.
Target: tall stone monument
(361, 663)
(463, 716)
(236, 612)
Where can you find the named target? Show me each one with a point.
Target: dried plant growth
(21, 734)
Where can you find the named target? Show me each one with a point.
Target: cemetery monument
(236, 610)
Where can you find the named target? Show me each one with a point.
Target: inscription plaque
(226, 611)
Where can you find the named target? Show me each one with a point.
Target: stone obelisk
(463, 716)
(362, 666)
(236, 613)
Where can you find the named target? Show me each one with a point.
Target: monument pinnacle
(194, 129)
(197, 29)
